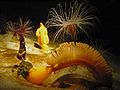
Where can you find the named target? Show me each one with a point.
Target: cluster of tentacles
(83, 55)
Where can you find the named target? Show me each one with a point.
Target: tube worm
(80, 54)
(19, 29)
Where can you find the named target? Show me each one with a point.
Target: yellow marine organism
(43, 38)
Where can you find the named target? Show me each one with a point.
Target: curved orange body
(38, 74)
(72, 54)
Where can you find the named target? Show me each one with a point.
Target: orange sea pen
(80, 54)
(73, 53)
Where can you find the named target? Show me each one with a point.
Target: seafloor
(10, 81)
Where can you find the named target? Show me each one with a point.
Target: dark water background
(108, 14)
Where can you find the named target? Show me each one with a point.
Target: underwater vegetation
(71, 19)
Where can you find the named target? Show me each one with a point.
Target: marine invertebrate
(43, 38)
(79, 53)
(71, 19)
(38, 74)
(68, 54)
(19, 29)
